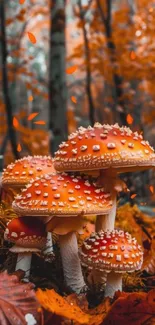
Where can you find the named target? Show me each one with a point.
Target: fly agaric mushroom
(29, 235)
(114, 252)
(20, 173)
(64, 196)
(109, 150)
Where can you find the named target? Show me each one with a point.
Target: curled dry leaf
(132, 308)
(73, 308)
(18, 304)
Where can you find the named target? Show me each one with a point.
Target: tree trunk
(117, 79)
(88, 70)
(7, 101)
(57, 75)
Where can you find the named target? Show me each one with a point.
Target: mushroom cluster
(18, 174)
(60, 194)
(66, 198)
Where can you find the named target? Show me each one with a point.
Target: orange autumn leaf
(73, 99)
(30, 99)
(58, 305)
(21, 2)
(133, 196)
(40, 122)
(132, 55)
(32, 116)
(32, 38)
(71, 70)
(15, 122)
(19, 148)
(129, 119)
(151, 189)
(135, 308)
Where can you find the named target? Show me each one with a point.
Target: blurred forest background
(65, 64)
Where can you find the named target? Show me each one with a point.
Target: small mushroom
(114, 252)
(29, 235)
(68, 198)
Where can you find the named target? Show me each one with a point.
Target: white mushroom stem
(107, 222)
(24, 263)
(49, 245)
(97, 277)
(71, 262)
(114, 283)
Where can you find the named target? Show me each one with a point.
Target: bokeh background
(65, 64)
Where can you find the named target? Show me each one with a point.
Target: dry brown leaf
(132, 308)
(18, 303)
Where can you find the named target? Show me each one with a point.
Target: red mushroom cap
(112, 251)
(26, 232)
(62, 195)
(20, 172)
(104, 146)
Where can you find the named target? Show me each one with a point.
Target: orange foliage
(71, 69)
(32, 38)
(32, 116)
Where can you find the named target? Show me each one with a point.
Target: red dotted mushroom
(107, 150)
(66, 198)
(113, 252)
(29, 235)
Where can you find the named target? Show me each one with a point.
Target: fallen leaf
(18, 302)
(58, 305)
(32, 116)
(19, 148)
(31, 38)
(132, 308)
(15, 122)
(71, 70)
(40, 122)
(21, 2)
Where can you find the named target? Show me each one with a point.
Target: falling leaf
(151, 189)
(71, 70)
(17, 301)
(32, 116)
(19, 148)
(40, 122)
(73, 99)
(132, 55)
(15, 122)
(133, 196)
(129, 119)
(30, 98)
(31, 38)
(21, 2)
(54, 303)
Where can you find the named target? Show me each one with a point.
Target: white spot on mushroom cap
(30, 320)
(111, 145)
(96, 147)
(83, 148)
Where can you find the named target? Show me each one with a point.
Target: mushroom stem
(114, 283)
(107, 222)
(24, 263)
(71, 262)
(97, 277)
(49, 245)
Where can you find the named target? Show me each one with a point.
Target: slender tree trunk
(88, 70)
(57, 75)
(117, 79)
(8, 105)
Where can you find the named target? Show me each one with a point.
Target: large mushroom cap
(26, 232)
(62, 195)
(104, 146)
(112, 251)
(20, 172)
